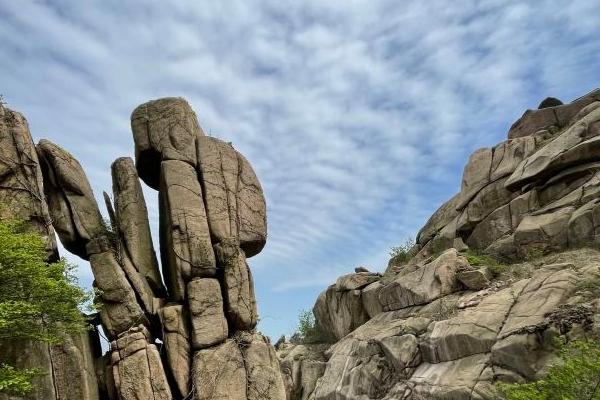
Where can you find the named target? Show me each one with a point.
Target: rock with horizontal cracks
(235, 203)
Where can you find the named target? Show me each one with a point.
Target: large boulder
(120, 309)
(163, 129)
(186, 248)
(424, 285)
(176, 338)
(557, 115)
(338, 313)
(301, 366)
(238, 286)
(74, 210)
(235, 203)
(219, 373)
(208, 323)
(137, 369)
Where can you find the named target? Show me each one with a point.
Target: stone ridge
(497, 274)
(192, 337)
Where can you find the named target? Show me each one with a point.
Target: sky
(358, 116)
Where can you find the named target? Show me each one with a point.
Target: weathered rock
(176, 338)
(219, 373)
(583, 227)
(535, 120)
(163, 129)
(131, 217)
(355, 281)
(425, 284)
(301, 367)
(208, 323)
(550, 102)
(547, 289)
(476, 175)
(526, 354)
(576, 145)
(448, 380)
(238, 286)
(73, 366)
(509, 154)
(21, 188)
(472, 331)
(264, 380)
(137, 368)
(73, 208)
(475, 278)
(186, 249)
(235, 204)
(120, 309)
(446, 213)
(338, 313)
(370, 299)
(538, 234)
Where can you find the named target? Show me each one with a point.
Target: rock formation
(498, 272)
(192, 337)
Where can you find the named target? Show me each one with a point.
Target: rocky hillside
(498, 272)
(192, 336)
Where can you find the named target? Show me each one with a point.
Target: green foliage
(479, 259)
(575, 377)
(14, 381)
(404, 252)
(39, 301)
(308, 331)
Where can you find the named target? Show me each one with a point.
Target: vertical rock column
(124, 266)
(212, 215)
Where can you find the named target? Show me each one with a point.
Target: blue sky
(358, 116)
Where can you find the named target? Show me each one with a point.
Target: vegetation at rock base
(39, 301)
(403, 252)
(308, 331)
(575, 377)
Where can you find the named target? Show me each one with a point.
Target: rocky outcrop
(67, 369)
(498, 275)
(167, 341)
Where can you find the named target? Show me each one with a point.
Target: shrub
(575, 377)
(39, 301)
(404, 252)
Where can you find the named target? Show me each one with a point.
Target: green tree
(308, 331)
(39, 301)
(575, 377)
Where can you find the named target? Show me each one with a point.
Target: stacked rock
(212, 216)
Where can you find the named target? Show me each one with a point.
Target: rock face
(192, 337)
(497, 271)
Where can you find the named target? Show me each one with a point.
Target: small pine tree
(39, 301)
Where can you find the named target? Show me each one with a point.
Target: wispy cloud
(357, 115)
